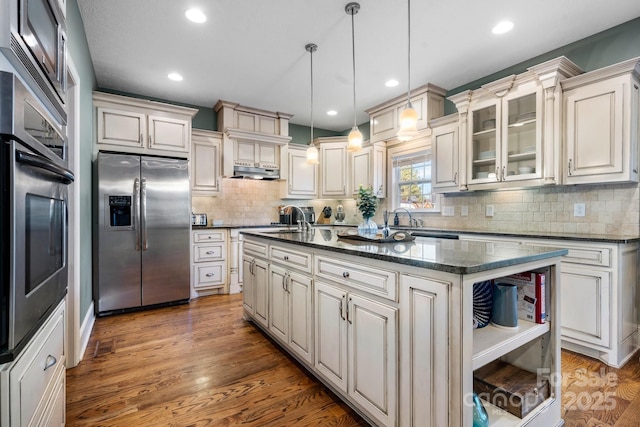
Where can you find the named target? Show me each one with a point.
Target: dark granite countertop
(452, 256)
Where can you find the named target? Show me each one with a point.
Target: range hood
(248, 172)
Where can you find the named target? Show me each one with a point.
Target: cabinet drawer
(209, 236)
(209, 274)
(255, 248)
(209, 252)
(601, 257)
(291, 258)
(357, 275)
(36, 369)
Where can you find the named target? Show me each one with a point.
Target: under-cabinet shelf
(492, 342)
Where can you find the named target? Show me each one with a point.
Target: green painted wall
(599, 50)
(301, 134)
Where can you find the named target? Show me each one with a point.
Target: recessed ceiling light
(392, 83)
(195, 15)
(332, 113)
(175, 77)
(502, 27)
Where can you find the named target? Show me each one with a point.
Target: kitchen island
(389, 327)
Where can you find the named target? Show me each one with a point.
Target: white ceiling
(252, 51)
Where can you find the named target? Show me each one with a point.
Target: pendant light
(409, 116)
(355, 136)
(312, 151)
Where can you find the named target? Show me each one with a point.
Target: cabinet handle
(348, 312)
(569, 167)
(210, 252)
(455, 178)
(209, 237)
(209, 274)
(345, 274)
(286, 257)
(503, 173)
(284, 278)
(50, 362)
(497, 173)
(150, 140)
(288, 282)
(140, 141)
(340, 308)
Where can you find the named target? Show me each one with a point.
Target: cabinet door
(279, 302)
(585, 298)
(424, 352)
(122, 128)
(302, 178)
(484, 144)
(301, 315)
(261, 285)
(521, 136)
(248, 287)
(333, 161)
(169, 134)
(268, 156)
(205, 165)
(446, 162)
(361, 169)
(372, 357)
(331, 334)
(594, 132)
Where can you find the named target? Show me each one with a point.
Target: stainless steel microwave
(33, 38)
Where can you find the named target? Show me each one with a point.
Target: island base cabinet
(356, 349)
(424, 351)
(255, 294)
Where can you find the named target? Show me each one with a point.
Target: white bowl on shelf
(489, 124)
(526, 117)
(486, 154)
(482, 175)
(522, 170)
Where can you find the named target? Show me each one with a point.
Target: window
(412, 181)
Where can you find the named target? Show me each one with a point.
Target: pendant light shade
(355, 136)
(312, 151)
(409, 116)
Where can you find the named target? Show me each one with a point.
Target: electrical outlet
(448, 211)
(464, 210)
(579, 209)
(489, 210)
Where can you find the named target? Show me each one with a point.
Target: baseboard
(85, 330)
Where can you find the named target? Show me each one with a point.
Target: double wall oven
(33, 215)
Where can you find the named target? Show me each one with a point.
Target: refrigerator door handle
(136, 207)
(143, 203)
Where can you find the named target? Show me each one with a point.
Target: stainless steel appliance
(33, 38)
(291, 216)
(33, 216)
(142, 247)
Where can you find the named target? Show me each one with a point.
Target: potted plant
(367, 202)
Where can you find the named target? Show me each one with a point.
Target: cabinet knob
(210, 252)
(209, 274)
(345, 274)
(286, 257)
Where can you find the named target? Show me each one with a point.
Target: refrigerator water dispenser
(120, 211)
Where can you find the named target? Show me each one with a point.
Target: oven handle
(62, 174)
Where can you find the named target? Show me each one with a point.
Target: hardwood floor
(201, 365)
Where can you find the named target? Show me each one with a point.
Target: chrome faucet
(408, 213)
(306, 225)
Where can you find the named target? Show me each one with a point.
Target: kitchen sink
(281, 232)
(434, 234)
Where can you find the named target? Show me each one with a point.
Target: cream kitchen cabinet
(32, 388)
(255, 292)
(334, 168)
(205, 162)
(602, 110)
(368, 167)
(209, 268)
(256, 154)
(445, 144)
(299, 178)
(356, 348)
(140, 126)
(384, 119)
(424, 367)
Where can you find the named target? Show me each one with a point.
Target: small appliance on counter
(290, 215)
(198, 219)
(340, 215)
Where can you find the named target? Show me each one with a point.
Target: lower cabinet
(424, 351)
(32, 388)
(291, 315)
(255, 296)
(356, 348)
(209, 268)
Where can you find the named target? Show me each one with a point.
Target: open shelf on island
(492, 342)
(500, 418)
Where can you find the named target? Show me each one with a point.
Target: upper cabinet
(427, 100)
(445, 142)
(251, 137)
(368, 167)
(140, 126)
(299, 178)
(334, 175)
(510, 130)
(601, 127)
(205, 162)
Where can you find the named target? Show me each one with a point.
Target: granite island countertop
(449, 255)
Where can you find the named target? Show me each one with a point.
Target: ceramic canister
(505, 305)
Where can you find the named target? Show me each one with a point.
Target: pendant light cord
(353, 50)
(311, 52)
(408, 52)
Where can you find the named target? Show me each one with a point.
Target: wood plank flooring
(202, 365)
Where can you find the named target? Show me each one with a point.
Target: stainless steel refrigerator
(142, 246)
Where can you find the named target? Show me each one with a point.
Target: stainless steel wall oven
(33, 215)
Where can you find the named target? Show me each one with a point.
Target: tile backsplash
(609, 209)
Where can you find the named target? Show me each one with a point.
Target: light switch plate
(489, 210)
(448, 211)
(579, 209)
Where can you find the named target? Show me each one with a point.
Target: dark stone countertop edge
(448, 268)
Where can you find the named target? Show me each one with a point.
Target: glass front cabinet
(506, 136)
